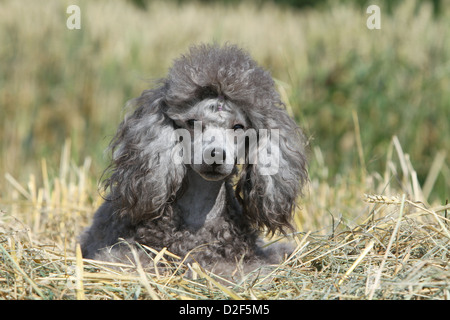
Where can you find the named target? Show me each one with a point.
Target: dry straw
(396, 248)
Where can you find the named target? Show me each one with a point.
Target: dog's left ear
(268, 189)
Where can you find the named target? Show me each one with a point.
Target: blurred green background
(332, 71)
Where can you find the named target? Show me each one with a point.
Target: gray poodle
(207, 162)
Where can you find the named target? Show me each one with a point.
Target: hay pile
(404, 254)
(399, 250)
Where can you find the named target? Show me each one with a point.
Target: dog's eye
(238, 126)
(190, 123)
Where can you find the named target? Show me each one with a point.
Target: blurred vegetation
(389, 5)
(333, 72)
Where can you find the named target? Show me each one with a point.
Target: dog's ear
(143, 176)
(268, 189)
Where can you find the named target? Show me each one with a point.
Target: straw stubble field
(371, 224)
(396, 248)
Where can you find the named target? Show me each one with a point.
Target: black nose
(215, 156)
(218, 153)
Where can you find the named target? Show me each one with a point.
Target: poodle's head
(211, 137)
(215, 110)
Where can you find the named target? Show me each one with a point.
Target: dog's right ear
(268, 190)
(143, 176)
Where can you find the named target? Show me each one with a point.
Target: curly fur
(159, 203)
